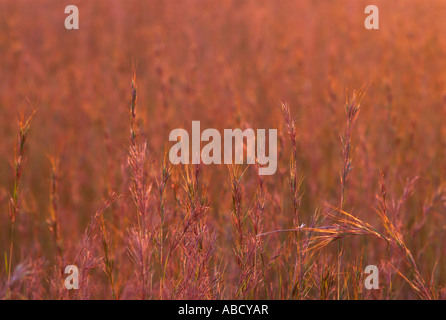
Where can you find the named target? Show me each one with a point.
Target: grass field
(85, 177)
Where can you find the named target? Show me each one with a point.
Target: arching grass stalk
(15, 201)
(295, 183)
(352, 108)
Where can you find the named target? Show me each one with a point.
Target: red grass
(86, 180)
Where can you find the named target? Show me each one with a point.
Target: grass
(87, 181)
